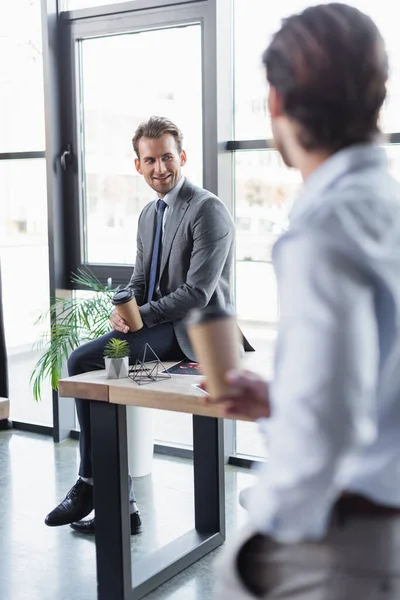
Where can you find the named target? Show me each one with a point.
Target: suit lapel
(174, 220)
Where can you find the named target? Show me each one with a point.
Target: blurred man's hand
(117, 322)
(252, 398)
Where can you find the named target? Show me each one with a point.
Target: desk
(115, 572)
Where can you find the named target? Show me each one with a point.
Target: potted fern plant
(116, 358)
(73, 321)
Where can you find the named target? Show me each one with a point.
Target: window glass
(24, 257)
(21, 77)
(118, 92)
(262, 19)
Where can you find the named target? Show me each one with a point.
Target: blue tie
(161, 206)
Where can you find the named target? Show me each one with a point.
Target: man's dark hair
(330, 68)
(154, 128)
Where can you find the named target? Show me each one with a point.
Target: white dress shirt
(335, 397)
(170, 200)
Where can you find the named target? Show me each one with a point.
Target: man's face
(160, 163)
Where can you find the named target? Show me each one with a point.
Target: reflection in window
(267, 226)
(243, 223)
(265, 190)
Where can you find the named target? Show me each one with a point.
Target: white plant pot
(140, 440)
(117, 368)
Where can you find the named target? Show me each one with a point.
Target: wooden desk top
(176, 394)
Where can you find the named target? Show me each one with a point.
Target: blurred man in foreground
(324, 518)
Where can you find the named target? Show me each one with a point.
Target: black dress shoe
(77, 504)
(88, 526)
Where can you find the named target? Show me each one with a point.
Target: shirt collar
(172, 195)
(343, 162)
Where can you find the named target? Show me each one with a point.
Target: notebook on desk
(184, 367)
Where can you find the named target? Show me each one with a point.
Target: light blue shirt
(335, 397)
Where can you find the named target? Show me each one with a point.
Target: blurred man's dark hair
(330, 68)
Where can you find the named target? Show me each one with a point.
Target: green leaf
(73, 321)
(116, 348)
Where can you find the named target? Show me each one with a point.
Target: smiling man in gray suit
(184, 260)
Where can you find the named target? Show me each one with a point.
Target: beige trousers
(359, 559)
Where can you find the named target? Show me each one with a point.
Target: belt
(350, 504)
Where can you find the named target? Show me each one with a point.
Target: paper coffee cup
(215, 338)
(125, 303)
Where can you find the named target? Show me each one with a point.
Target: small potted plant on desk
(116, 357)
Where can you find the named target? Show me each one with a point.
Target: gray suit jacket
(196, 261)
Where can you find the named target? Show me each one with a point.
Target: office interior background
(76, 78)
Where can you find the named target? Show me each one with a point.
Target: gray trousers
(359, 559)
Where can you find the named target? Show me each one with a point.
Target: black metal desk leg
(111, 501)
(209, 475)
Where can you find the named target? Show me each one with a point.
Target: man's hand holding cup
(250, 398)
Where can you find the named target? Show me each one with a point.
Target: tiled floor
(40, 563)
